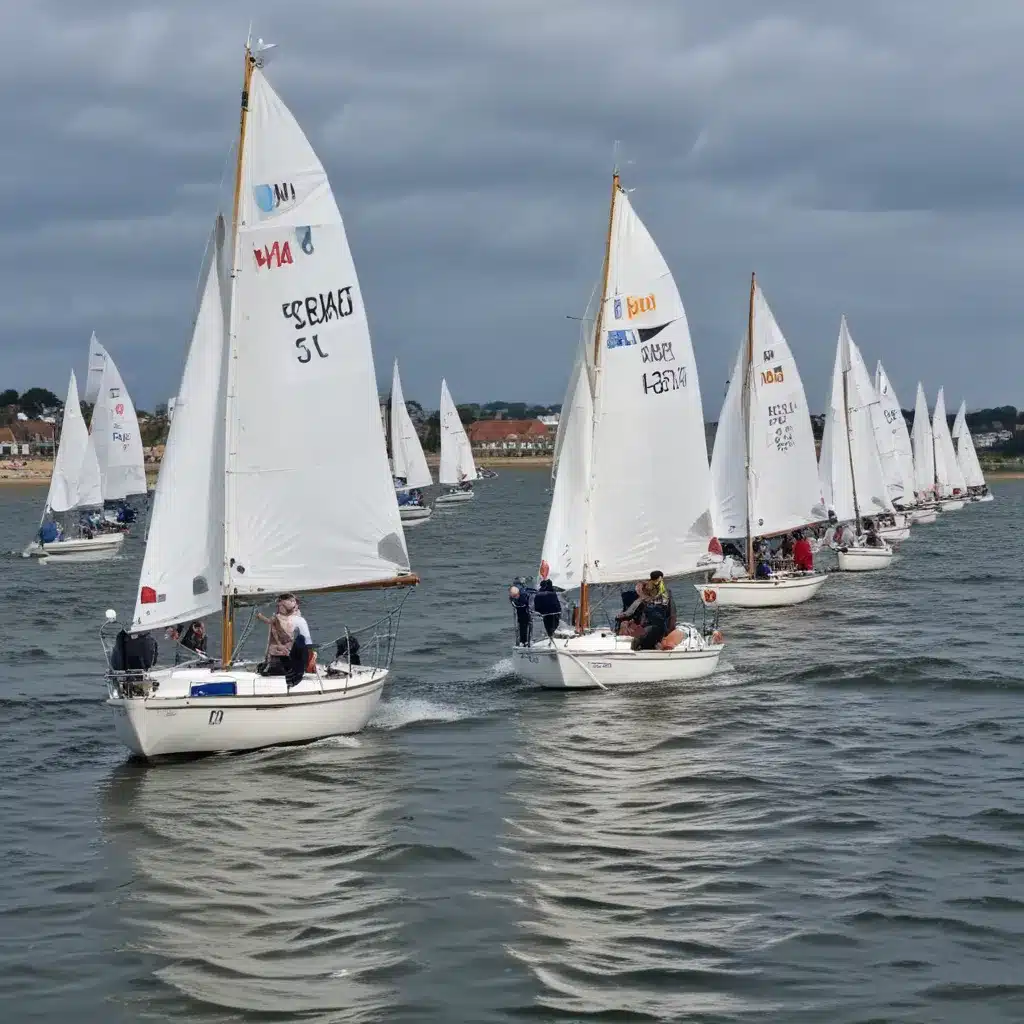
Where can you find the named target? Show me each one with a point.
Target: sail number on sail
(658, 382)
(314, 310)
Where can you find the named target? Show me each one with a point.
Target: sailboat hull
(454, 497)
(924, 516)
(864, 559)
(953, 505)
(264, 713)
(600, 659)
(77, 549)
(894, 534)
(777, 592)
(413, 514)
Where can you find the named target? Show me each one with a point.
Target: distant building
(27, 437)
(549, 421)
(511, 437)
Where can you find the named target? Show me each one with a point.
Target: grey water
(830, 829)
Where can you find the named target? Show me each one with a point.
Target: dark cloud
(862, 158)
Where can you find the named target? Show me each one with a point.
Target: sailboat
(765, 478)
(967, 457)
(74, 487)
(852, 480)
(115, 434)
(253, 497)
(894, 448)
(97, 360)
(408, 463)
(457, 469)
(950, 488)
(924, 461)
(623, 506)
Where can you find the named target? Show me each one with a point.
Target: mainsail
(949, 480)
(924, 448)
(633, 487)
(115, 433)
(852, 479)
(75, 482)
(308, 500)
(893, 438)
(966, 454)
(457, 465)
(97, 359)
(407, 458)
(763, 465)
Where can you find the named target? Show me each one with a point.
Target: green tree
(8, 397)
(35, 400)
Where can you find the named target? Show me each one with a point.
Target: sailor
(803, 556)
(519, 595)
(547, 605)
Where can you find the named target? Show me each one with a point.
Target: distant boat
(74, 487)
(457, 470)
(950, 487)
(275, 475)
(408, 463)
(852, 480)
(763, 470)
(616, 512)
(893, 438)
(967, 457)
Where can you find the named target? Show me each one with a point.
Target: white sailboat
(950, 487)
(924, 461)
(457, 469)
(852, 479)
(253, 498)
(116, 436)
(764, 474)
(893, 439)
(408, 463)
(74, 486)
(967, 457)
(97, 360)
(618, 510)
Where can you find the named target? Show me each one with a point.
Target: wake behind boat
(613, 513)
(239, 517)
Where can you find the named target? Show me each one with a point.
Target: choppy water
(832, 829)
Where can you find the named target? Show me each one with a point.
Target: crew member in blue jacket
(547, 605)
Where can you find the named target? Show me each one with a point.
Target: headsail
(183, 565)
(949, 480)
(97, 359)
(301, 381)
(893, 440)
(115, 433)
(924, 448)
(407, 458)
(457, 465)
(646, 503)
(75, 482)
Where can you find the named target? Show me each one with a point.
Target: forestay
(966, 454)
(924, 448)
(949, 480)
(97, 359)
(407, 458)
(310, 502)
(116, 436)
(457, 465)
(650, 485)
(765, 413)
(893, 440)
(75, 482)
(183, 565)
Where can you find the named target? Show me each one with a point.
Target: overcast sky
(862, 158)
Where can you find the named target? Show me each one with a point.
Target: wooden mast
(227, 637)
(583, 621)
(748, 370)
(844, 351)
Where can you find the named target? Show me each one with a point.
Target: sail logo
(641, 304)
(617, 307)
(115, 392)
(621, 339)
(772, 376)
(304, 236)
(768, 355)
(891, 416)
(272, 197)
(119, 409)
(273, 255)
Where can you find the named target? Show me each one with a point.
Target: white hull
(265, 713)
(864, 559)
(600, 658)
(454, 497)
(923, 516)
(894, 534)
(952, 505)
(777, 592)
(412, 514)
(77, 549)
